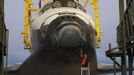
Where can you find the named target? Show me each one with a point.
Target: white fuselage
(51, 14)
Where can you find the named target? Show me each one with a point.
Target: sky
(14, 19)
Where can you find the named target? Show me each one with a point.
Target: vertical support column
(1, 60)
(1, 44)
(114, 65)
(1, 50)
(114, 59)
(121, 9)
(123, 57)
(130, 9)
(130, 61)
(97, 21)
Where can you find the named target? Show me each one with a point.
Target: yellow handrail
(97, 21)
(26, 34)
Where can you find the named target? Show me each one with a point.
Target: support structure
(125, 38)
(97, 20)
(130, 32)
(123, 49)
(3, 38)
(26, 33)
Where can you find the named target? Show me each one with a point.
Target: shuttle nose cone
(70, 36)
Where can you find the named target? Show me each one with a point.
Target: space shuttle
(63, 42)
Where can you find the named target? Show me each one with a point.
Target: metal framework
(125, 38)
(3, 38)
(97, 20)
(26, 33)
